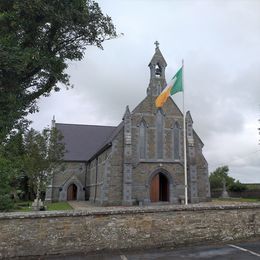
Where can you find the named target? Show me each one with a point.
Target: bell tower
(157, 72)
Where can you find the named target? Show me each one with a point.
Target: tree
(5, 187)
(43, 154)
(11, 167)
(27, 162)
(217, 177)
(37, 39)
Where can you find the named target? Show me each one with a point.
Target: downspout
(95, 196)
(86, 172)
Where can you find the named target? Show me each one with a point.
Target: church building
(138, 162)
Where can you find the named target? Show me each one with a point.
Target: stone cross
(224, 192)
(224, 185)
(157, 44)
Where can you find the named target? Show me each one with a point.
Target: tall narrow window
(158, 71)
(142, 140)
(159, 129)
(176, 141)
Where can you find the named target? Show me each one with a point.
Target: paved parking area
(238, 251)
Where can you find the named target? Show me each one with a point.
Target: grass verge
(59, 206)
(25, 206)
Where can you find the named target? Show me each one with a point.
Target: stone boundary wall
(237, 194)
(42, 233)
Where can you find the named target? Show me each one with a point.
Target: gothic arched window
(176, 141)
(142, 140)
(159, 129)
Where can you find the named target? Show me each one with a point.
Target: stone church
(138, 162)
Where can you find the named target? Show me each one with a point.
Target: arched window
(142, 140)
(176, 141)
(159, 129)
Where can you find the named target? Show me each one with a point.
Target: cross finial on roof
(157, 44)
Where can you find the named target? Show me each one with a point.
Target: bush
(6, 202)
(237, 187)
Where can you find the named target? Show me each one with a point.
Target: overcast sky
(220, 44)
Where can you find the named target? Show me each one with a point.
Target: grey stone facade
(71, 173)
(142, 159)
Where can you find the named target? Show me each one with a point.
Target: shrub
(237, 187)
(6, 202)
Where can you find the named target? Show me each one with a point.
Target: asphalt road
(236, 251)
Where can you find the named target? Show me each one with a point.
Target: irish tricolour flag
(172, 88)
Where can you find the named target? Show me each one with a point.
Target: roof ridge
(85, 125)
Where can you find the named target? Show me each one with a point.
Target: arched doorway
(159, 189)
(72, 192)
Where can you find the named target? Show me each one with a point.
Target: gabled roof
(196, 135)
(107, 141)
(189, 117)
(82, 141)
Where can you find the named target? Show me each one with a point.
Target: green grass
(25, 206)
(59, 206)
(22, 206)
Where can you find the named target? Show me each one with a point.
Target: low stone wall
(44, 233)
(237, 194)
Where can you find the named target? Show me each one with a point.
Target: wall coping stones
(126, 210)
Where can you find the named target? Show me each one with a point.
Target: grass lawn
(25, 206)
(59, 206)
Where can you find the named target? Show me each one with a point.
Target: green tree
(13, 152)
(11, 167)
(27, 162)
(5, 188)
(37, 39)
(43, 154)
(217, 177)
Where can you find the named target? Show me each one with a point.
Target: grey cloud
(220, 43)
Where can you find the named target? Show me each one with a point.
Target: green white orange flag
(172, 88)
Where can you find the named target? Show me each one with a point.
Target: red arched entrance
(159, 189)
(72, 192)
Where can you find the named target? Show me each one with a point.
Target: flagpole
(184, 140)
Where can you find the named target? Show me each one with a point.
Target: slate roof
(83, 141)
(114, 133)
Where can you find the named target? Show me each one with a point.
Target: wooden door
(154, 189)
(72, 192)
